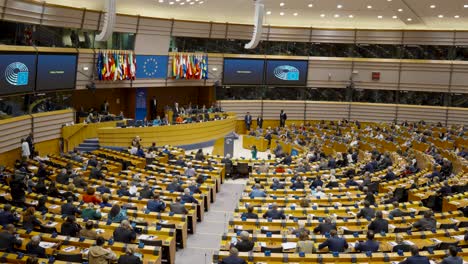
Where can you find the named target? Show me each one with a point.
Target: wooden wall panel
(332, 36)
(20, 11)
(191, 29)
(62, 17)
(326, 110)
(294, 109)
(91, 20)
(459, 78)
(389, 73)
(48, 126)
(85, 59)
(13, 130)
(457, 116)
(241, 107)
(239, 31)
(215, 69)
(153, 26)
(428, 38)
(461, 38)
(289, 34)
(434, 77)
(218, 30)
(378, 37)
(413, 113)
(126, 24)
(119, 100)
(373, 112)
(328, 73)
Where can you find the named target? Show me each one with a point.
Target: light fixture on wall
(181, 3)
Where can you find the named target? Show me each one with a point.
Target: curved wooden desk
(175, 135)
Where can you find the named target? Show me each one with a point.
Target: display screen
(286, 72)
(56, 72)
(17, 73)
(243, 72)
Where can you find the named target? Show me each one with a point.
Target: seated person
(180, 161)
(276, 184)
(103, 189)
(233, 257)
(379, 224)
(129, 257)
(415, 257)
(366, 212)
(30, 221)
(7, 217)
(298, 183)
(157, 121)
(249, 214)
(300, 229)
(145, 192)
(257, 192)
(244, 244)
(305, 244)
(34, 249)
(174, 186)
(427, 223)
(177, 207)
(8, 240)
(190, 171)
(88, 232)
(369, 245)
(194, 187)
(70, 227)
(116, 214)
(124, 233)
(325, 227)
(317, 182)
(452, 258)
(156, 205)
(187, 197)
(396, 212)
(123, 191)
(91, 213)
(105, 201)
(274, 213)
(91, 197)
(99, 254)
(334, 243)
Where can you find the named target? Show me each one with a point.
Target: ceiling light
(379, 17)
(339, 6)
(322, 15)
(440, 16)
(310, 5)
(281, 4)
(192, 3)
(182, 3)
(409, 19)
(400, 10)
(389, 0)
(432, 6)
(268, 12)
(457, 16)
(394, 17)
(161, 1)
(336, 15)
(201, 2)
(171, 3)
(281, 13)
(369, 6)
(465, 6)
(350, 16)
(295, 14)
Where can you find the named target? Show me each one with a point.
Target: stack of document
(289, 245)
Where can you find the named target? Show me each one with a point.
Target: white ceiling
(323, 13)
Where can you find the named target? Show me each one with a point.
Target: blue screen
(56, 72)
(243, 72)
(17, 73)
(286, 72)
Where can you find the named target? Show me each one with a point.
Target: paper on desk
(238, 227)
(43, 244)
(53, 206)
(408, 242)
(147, 237)
(262, 244)
(51, 224)
(69, 249)
(435, 240)
(289, 245)
(459, 238)
(352, 244)
(265, 228)
(392, 243)
(85, 251)
(99, 231)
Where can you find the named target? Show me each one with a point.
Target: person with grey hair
(123, 191)
(33, 247)
(194, 187)
(257, 192)
(244, 244)
(325, 227)
(233, 257)
(129, 257)
(146, 192)
(276, 184)
(190, 171)
(187, 197)
(124, 233)
(274, 213)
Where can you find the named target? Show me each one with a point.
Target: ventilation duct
(258, 25)
(109, 21)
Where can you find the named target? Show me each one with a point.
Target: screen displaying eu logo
(151, 66)
(286, 73)
(17, 74)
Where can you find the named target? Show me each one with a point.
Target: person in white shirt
(318, 192)
(25, 151)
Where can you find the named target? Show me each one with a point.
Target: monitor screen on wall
(243, 72)
(17, 73)
(56, 72)
(286, 72)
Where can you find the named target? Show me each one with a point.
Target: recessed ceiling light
(379, 17)
(336, 15)
(409, 19)
(350, 16)
(400, 10)
(310, 5)
(432, 6)
(281, 4)
(295, 14)
(281, 13)
(192, 3)
(339, 6)
(369, 6)
(440, 16)
(171, 3)
(465, 6)
(394, 17)
(456, 16)
(268, 13)
(201, 2)
(161, 1)
(322, 15)
(182, 3)
(389, 0)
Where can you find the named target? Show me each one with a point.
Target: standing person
(30, 141)
(260, 121)
(153, 108)
(248, 121)
(283, 118)
(254, 152)
(175, 111)
(105, 107)
(25, 151)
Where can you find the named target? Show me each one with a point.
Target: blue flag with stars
(151, 66)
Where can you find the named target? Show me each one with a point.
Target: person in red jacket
(91, 197)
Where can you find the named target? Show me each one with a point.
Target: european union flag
(151, 66)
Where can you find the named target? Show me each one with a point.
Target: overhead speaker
(109, 21)
(258, 25)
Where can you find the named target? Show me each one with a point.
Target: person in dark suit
(96, 172)
(180, 161)
(7, 217)
(427, 223)
(390, 176)
(334, 243)
(62, 177)
(244, 244)
(103, 189)
(325, 227)
(283, 118)
(177, 207)
(70, 227)
(153, 108)
(274, 213)
(260, 121)
(146, 192)
(366, 212)
(156, 205)
(129, 257)
(452, 258)
(248, 121)
(369, 245)
(8, 241)
(175, 111)
(317, 182)
(379, 224)
(174, 186)
(233, 257)
(249, 214)
(298, 183)
(276, 184)
(187, 197)
(124, 233)
(415, 257)
(396, 212)
(34, 249)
